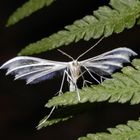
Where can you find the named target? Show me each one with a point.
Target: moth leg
(101, 76)
(59, 93)
(92, 75)
(68, 76)
(84, 81)
(62, 83)
(47, 117)
(101, 79)
(72, 83)
(77, 91)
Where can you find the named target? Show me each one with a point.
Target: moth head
(75, 63)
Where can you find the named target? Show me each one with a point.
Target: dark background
(22, 106)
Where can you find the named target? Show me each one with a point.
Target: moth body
(74, 71)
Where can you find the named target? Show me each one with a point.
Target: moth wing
(107, 63)
(33, 69)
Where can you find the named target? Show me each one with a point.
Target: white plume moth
(34, 69)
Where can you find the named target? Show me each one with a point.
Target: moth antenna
(90, 48)
(65, 54)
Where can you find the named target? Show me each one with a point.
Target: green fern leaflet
(131, 131)
(27, 9)
(106, 20)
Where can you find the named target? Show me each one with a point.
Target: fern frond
(27, 9)
(131, 131)
(106, 20)
(48, 122)
(122, 87)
